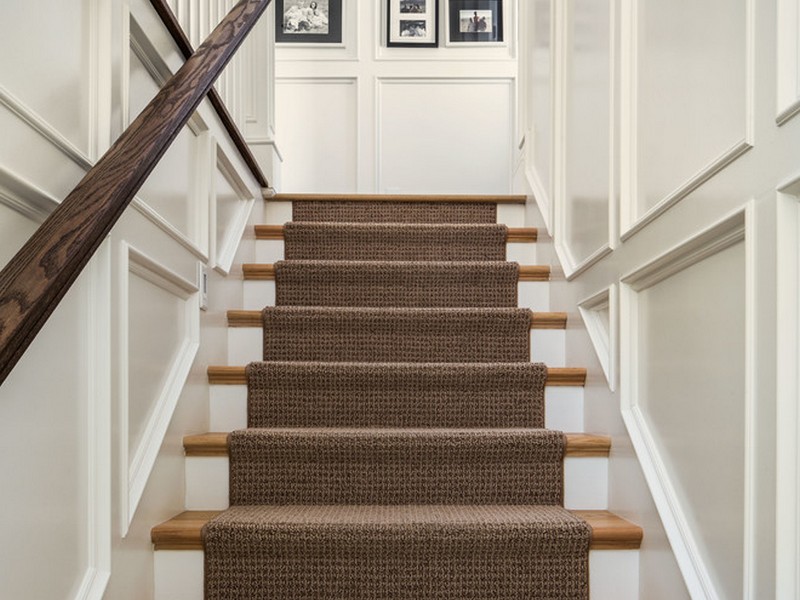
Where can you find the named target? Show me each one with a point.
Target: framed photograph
(413, 23)
(475, 21)
(308, 21)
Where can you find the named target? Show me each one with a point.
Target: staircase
(402, 437)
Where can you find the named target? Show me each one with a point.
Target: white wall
(363, 117)
(93, 416)
(699, 141)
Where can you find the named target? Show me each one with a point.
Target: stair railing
(39, 275)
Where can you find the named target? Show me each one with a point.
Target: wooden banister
(35, 280)
(185, 46)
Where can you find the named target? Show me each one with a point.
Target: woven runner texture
(313, 394)
(397, 553)
(396, 334)
(396, 466)
(386, 241)
(396, 284)
(395, 212)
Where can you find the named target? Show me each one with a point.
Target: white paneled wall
(362, 117)
(92, 417)
(684, 179)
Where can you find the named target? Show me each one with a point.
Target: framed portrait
(413, 23)
(475, 21)
(308, 21)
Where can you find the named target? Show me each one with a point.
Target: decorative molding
(224, 253)
(731, 230)
(541, 196)
(788, 74)
(97, 311)
(154, 217)
(44, 129)
(632, 221)
(24, 197)
(135, 470)
(571, 269)
(787, 531)
(602, 333)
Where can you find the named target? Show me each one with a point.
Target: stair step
(513, 235)
(539, 320)
(266, 272)
(609, 531)
(578, 444)
(561, 377)
(446, 198)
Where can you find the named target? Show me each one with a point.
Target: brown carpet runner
(397, 334)
(392, 241)
(395, 448)
(397, 284)
(395, 212)
(314, 394)
(413, 552)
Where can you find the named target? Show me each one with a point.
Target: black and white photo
(309, 21)
(413, 23)
(474, 21)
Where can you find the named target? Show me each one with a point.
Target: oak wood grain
(493, 199)
(185, 46)
(609, 531)
(515, 234)
(35, 280)
(266, 272)
(559, 377)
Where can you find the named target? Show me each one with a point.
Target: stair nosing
(609, 531)
(216, 443)
(556, 376)
(435, 198)
(239, 319)
(266, 272)
(513, 235)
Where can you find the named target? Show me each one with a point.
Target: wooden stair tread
(266, 272)
(515, 234)
(216, 444)
(540, 320)
(609, 531)
(556, 376)
(491, 199)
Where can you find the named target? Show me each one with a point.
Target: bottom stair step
(422, 548)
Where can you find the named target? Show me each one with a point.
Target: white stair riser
(534, 295)
(258, 294)
(228, 408)
(584, 483)
(277, 213)
(245, 344)
(613, 574)
(512, 215)
(271, 251)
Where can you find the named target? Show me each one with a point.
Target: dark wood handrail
(39, 275)
(185, 46)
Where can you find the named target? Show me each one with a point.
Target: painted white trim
(135, 471)
(730, 230)
(572, 270)
(224, 253)
(787, 531)
(44, 129)
(24, 197)
(631, 219)
(788, 60)
(154, 217)
(541, 197)
(97, 317)
(604, 340)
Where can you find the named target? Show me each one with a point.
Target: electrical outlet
(202, 284)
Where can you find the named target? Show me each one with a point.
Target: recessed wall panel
(56, 36)
(588, 128)
(691, 391)
(541, 92)
(692, 92)
(445, 136)
(318, 134)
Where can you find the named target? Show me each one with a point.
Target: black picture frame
(412, 24)
(486, 16)
(295, 25)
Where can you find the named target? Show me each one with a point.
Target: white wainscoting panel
(445, 135)
(788, 59)
(699, 55)
(231, 204)
(158, 326)
(686, 403)
(318, 134)
(583, 215)
(58, 38)
(599, 313)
